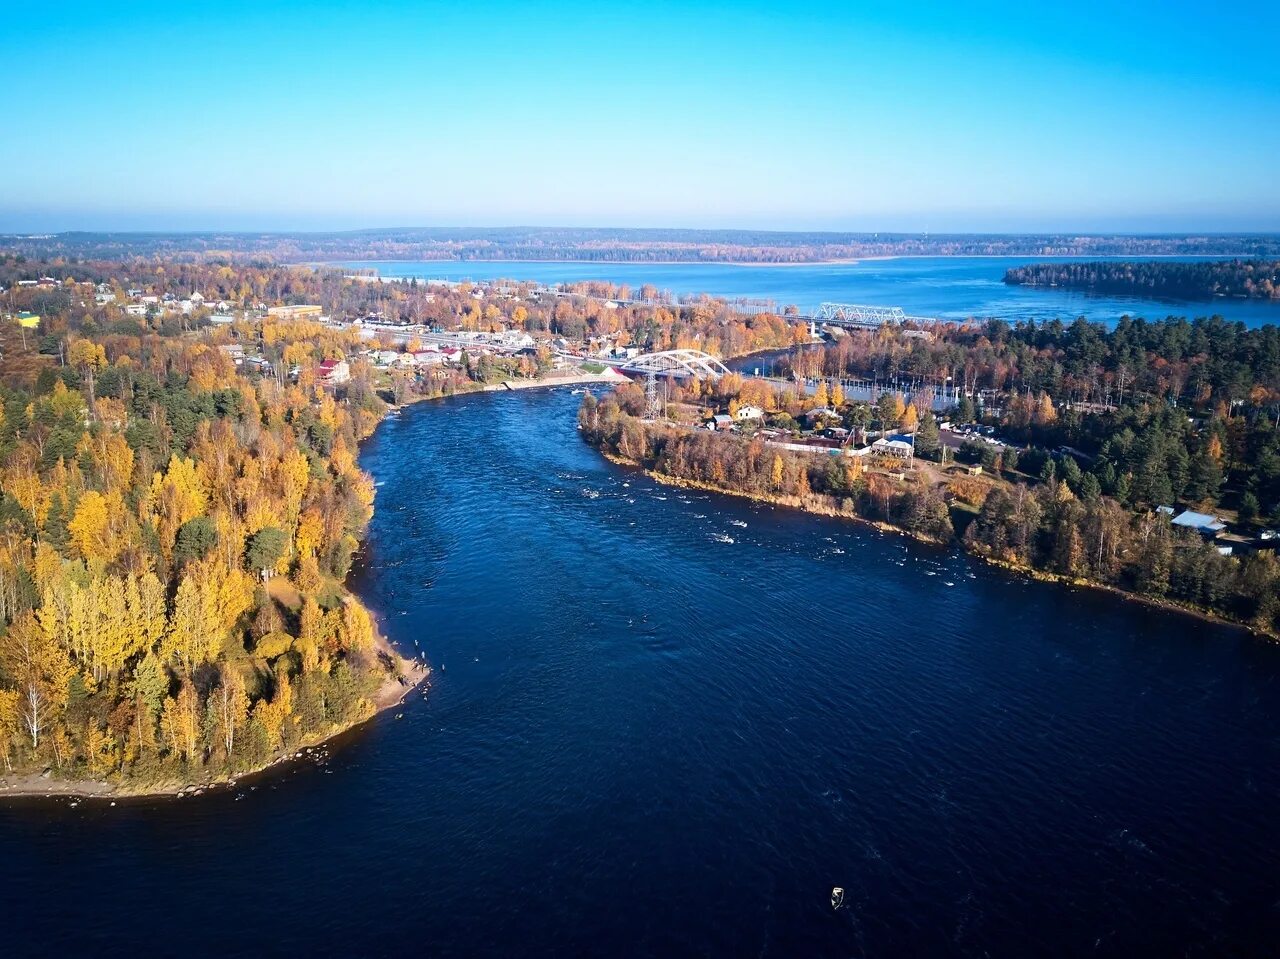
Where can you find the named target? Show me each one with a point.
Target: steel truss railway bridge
(855, 316)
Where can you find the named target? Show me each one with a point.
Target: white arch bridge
(677, 363)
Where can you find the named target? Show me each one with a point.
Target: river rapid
(667, 723)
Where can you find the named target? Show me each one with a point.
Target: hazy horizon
(464, 229)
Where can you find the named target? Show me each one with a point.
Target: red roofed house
(334, 371)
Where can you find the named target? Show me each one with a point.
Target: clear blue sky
(1006, 116)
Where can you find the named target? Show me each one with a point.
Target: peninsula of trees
(1198, 280)
(175, 529)
(1103, 436)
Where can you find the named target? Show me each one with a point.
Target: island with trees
(1162, 279)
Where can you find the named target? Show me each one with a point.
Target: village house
(334, 372)
(423, 358)
(748, 412)
(817, 416)
(513, 339)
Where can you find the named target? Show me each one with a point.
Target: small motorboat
(837, 897)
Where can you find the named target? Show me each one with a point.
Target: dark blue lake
(667, 724)
(949, 288)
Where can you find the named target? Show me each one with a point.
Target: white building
(895, 448)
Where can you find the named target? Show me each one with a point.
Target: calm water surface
(953, 288)
(666, 724)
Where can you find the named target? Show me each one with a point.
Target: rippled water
(667, 723)
(949, 288)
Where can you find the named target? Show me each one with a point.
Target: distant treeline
(1255, 279)
(639, 245)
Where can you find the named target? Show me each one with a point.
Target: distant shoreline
(851, 261)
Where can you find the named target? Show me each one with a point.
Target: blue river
(667, 723)
(949, 288)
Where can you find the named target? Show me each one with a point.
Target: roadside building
(513, 339)
(1207, 526)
